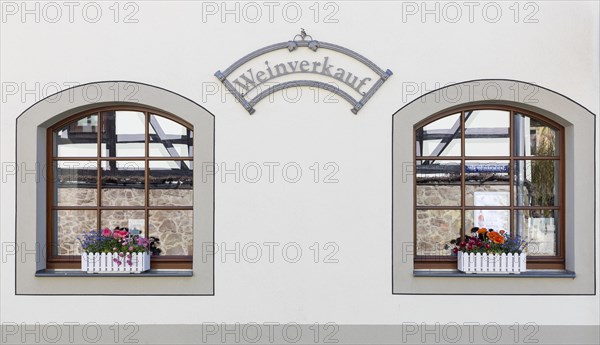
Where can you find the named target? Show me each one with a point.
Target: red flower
(455, 250)
(488, 246)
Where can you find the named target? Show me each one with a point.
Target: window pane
(174, 229)
(487, 133)
(69, 225)
(438, 183)
(440, 138)
(171, 183)
(123, 134)
(534, 137)
(78, 138)
(489, 219)
(540, 229)
(435, 228)
(75, 183)
(487, 183)
(131, 219)
(537, 182)
(123, 183)
(169, 138)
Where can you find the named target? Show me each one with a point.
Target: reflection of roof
(124, 179)
(78, 134)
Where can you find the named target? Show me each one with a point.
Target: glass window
(108, 180)
(487, 186)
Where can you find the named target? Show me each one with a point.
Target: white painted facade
(302, 171)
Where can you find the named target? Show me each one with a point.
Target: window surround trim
(30, 229)
(580, 198)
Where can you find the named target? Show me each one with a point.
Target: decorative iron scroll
(301, 41)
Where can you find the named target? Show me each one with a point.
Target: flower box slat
(105, 262)
(491, 263)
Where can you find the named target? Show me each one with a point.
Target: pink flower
(130, 249)
(121, 254)
(119, 233)
(129, 262)
(106, 232)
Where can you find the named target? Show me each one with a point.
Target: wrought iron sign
(253, 81)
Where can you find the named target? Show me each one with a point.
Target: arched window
(121, 167)
(496, 167)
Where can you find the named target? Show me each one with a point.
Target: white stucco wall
(178, 47)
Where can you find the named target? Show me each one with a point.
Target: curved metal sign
(251, 80)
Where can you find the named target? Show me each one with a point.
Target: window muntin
(487, 186)
(120, 184)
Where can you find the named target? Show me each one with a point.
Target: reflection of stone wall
(171, 197)
(173, 228)
(77, 196)
(71, 224)
(438, 195)
(435, 228)
(123, 197)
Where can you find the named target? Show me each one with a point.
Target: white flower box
(105, 262)
(491, 263)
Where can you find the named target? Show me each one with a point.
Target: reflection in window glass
(540, 229)
(489, 219)
(487, 133)
(536, 182)
(75, 183)
(123, 183)
(174, 229)
(69, 225)
(438, 183)
(78, 138)
(131, 219)
(435, 228)
(440, 138)
(169, 138)
(478, 185)
(487, 183)
(534, 137)
(123, 133)
(171, 183)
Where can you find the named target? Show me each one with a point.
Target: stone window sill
(527, 274)
(80, 274)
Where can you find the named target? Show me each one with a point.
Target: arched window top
(488, 131)
(122, 132)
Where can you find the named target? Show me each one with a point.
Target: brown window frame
(74, 261)
(533, 262)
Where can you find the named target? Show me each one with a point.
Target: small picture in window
(136, 225)
(491, 219)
